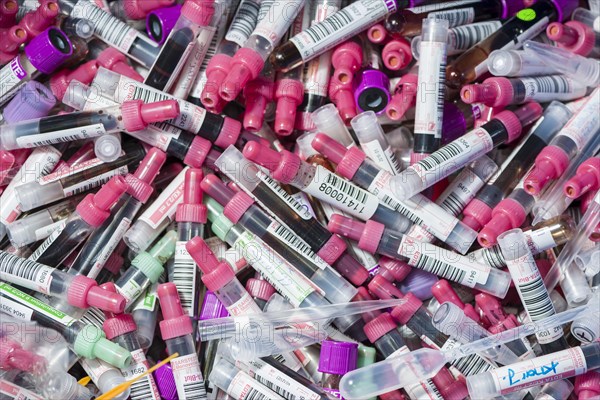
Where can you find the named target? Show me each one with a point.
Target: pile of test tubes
(299, 199)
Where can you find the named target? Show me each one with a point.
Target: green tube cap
(92, 343)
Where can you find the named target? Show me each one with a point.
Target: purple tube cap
(160, 23)
(338, 357)
(419, 283)
(212, 307)
(454, 124)
(166, 382)
(565, 8)
(49, 50)
(34, 100)
(372, 90)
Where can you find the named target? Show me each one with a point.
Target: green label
(527, 14)
(35, 304)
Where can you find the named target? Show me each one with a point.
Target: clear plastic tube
(374, 143)
(587, 17)
(239, 384)
(518, 63)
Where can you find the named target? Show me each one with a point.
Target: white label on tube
(340, 26)
(296, 243)
(11, 391)
(534, 295)
(144, 388)
(283, 195)
(34, 304)
(25, 273)
(12, 77)
(451, 157)
(107, 27)
(540, 240)
(95, 368)
(245, 305)
(553, 87)
(39, 163)
(94, 182)
(286, 279)
(15, 309)
(430, 99)
(384, 158)
(460, 192)
(444, 263)
(45, 244)
(460, 16)
(539, 370)
(64, 172)
(278, 19)
(184, 277)
(188, 377)
(109, 248)
(157, 135)
(342, 194)
(131, 291)
(166, 203)
(440, 6)
(189, 72)
(148, 300)
(461, 38)
(584, 124)
(45, 231)
(243, 22)
(65, 135)
(243, 387)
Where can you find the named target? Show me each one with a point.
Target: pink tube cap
(404, 312)
(443, 292)
(396, 54)
(587, 386)
(114, 60)
(14, 356)
(258, 92)
(235, 209)
(197, 153)
(200, 12)
(491, 308)
(84, 293)
(371, 236)
(574, 36)
(399, 269)
(346, 227)
(192, 209)
(476, 214)
(329, 147)
(379, 327)
(346, 59)
(139, 9)
(140, 181)
(216, 72)
(351, 162)
(377, 34)
(549, 165)
(404, 98)
(245, 66)
(332, 249)
(343, 98)
(260, 289)
(262, 155)
(94, 208)
(289, 94)
(384, 289)
(508, 214)
(216, 189)
(175, 322)
(35, 22)
(137, 115)
(8, 13)
(493, 92)
(11, 38)
(587, 178)
(216, 274)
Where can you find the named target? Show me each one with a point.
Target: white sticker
(165, 205)
(342, 194)
(12, 391)
(189, 72)
(34, 304)
(444, 263)
(25, 273)
(302, 199)
(544, 89)
(144, 388)
(45, 245)
(457, 17)
(278, 19)
(340, 26)
(65, 135)
(131, 290)
(95, 368)
(12, 77)
(15, 309)
(68, 171)
(540, 240)
(45, 231)
(430, 99)
(243, 23)
(245, 305)
(188, 377)
(440, 6)
(462, 38)
(384, 158)
(243, 387)
(184, 277)
(539, 370)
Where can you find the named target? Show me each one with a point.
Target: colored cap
(404, 98)
(508, 214)
(565, 8)
(289, 93)
(7, 160)
(399, 269)
(151, 262)
(245, 66)
(396, 54)
(260, 289)
(91, 342)
(95, 208)
(112, 59)
(384, 289)
(34, 100)
(377, 34)
(379, 326)
(137, 115)
(84, 292)
(419, 282)
(35, 22)
(212, 307)
(353, 159)
(160, 22)
(371, 90)
(139, 9)
(258, 93)
(8, 13)
(346, 59)
(192, 209)
(476, 214)
(197, 152)
(346, 227)
(329, 147)
(230, 133)
(216, 72)
(140, 182)
(371, 236)
(448, 386)
(443, 292)
(343, 98)
(404, 312)
(337, 358)
(587, 178)
(116, 324)
(165, 380)
(493, 92)
(237, 206)
(551, 163)
(351, 269)
(587, 386)
(333, 249)
(13, 356)
(216, 274)
(200, 12)
(12, 38)
(491, 308)
(215, 188)
(284, 165)
(574, 36)
(48, 50)
(175, 322)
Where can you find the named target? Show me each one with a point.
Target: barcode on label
(439, 268)
(277, 389)
(45, 245)
(453, 203)
(94, 182)
(283, 195)
(536, 300)
(194, 390)
(148, 96)
(472, 365)
(491, 256)
(243, 22)
(329, 25)
(460, 16)
(440, 156)
(463, 37)
(142, 390)
(184, 277)
(26, 273)
(93, 316)
(549, 84)
(296, 243)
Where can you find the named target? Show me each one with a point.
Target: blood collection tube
(190, 217)
(248, 61)
(130, 116)
(514, 377)
(113, 31)
(478, 211)
(586, 179)
(370, 86)
(501, 92)
(506, 127)
(77, 179)
(404, 97)
(114, 60)
(222, 131)
(238, 384)
(136, 9)
(83, 339)
(258, 94)
(396, 54)
(260, 290)
(324, 185)
(145, 314)
(530, 286)
(174, 52)
(329, 248)
(516, 63)
(146, 269)
(461, 38)
(105, 239)
(122, 329)
(429, 108)
(12, 39)
(328, 33)
(89, 214)
(207, 351)
(44, 54)
(574, 36)
(32, 100)
(160, 22)
(176, 330)
(409, 22)
(554, 159)
(526, 24)
(8, 13)
(374, 143)
(353, 164)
